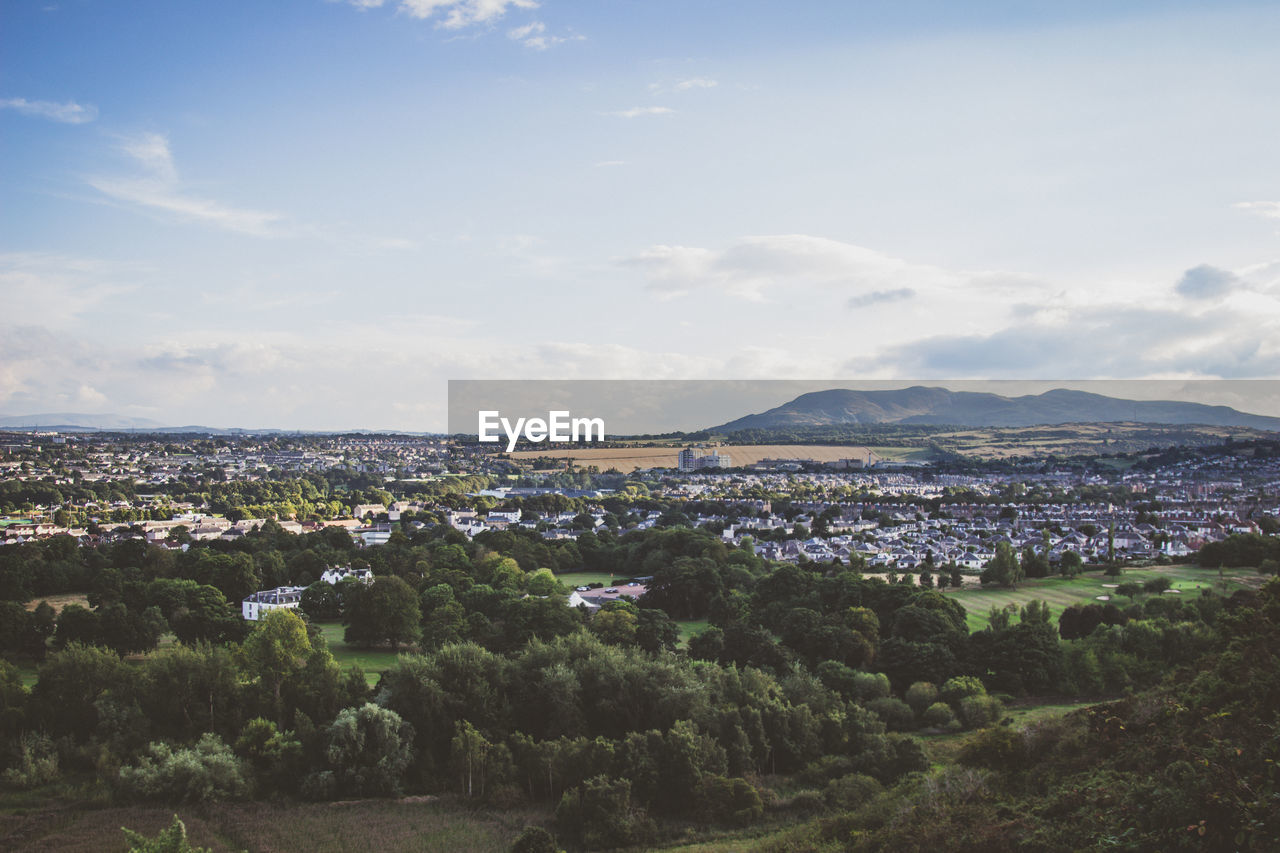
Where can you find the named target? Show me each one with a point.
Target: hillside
(919, 405)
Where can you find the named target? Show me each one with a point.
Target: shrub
(598, 814)
(999, 748)
(960, 687)
(35, 764)
(171, 840)
(978, 711)
(207, 771)
(939, 716)
(870, 685)
(534, 839)
(895, 713)
(731, 801)
(921, 695)
(850, 792)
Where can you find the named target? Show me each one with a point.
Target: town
(886, 518)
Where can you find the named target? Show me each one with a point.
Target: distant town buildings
(698, 458)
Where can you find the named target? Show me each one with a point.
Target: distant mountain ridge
(940, 407)
(72, 422)
(78, 421)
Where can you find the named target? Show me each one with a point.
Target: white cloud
(457, 14)
(158, 188)
(637, 112)
(696, 83)
(1268, 209)
(57, 288)
(686, 85)
(534, 35)
(68, 113)
(756, 268)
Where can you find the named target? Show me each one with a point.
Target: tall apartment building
(698, 458)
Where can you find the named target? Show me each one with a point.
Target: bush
(535, 839)
(171, 840)
(730, 801)
(36, 763)
(808, 802)
(999, 748)
(939, 716)
(850, 792)
(598, 814)
(207, 771)
(895, 713)
(961, 687)
(921, 695)
(979, 711)
(870, 685)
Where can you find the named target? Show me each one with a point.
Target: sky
(312, 214)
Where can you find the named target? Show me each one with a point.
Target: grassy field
(573, 579)
(690, 628)
(411, 824)
(1061, 593)
(373, 661)
(57, 602)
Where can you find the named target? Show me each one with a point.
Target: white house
(332, 576)
(280, 598)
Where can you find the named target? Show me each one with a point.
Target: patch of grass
(690, 628)
(902, 454)
(1060, 593)
(59, 601)
(374, 662)
(27, 671)
(573, 579)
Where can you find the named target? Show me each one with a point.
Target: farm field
(630, 458)
(1061, 593)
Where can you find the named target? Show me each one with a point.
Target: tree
(275, 650)
(369, 748)
(207, 771)
(1129, 589)
(1004, 568)
(386, 611)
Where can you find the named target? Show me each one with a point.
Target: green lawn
(902, 454)
(690, 628)
(1060, 593)
(373, 661)
(573, 579)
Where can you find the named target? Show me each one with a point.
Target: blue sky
(312, 214)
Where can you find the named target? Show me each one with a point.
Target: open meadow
(1060, 593)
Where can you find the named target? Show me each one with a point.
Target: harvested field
(631, 458)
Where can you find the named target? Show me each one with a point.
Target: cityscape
(537, 426)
